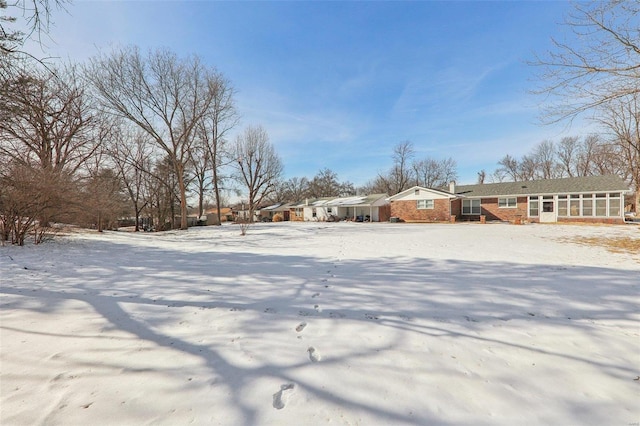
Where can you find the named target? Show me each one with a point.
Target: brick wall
(384, 213)
(489, 208)
(408, 211)
(608, 220)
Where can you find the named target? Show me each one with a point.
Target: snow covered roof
(360, 200)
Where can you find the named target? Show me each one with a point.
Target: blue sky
(338, 84)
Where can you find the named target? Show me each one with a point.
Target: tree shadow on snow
(452, 298)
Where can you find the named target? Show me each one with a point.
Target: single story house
(269, 211)
(365, 208)
(226, 215)
(578, 199)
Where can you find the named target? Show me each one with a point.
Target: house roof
(547, 186)
(278, 207)
(422, 188)
(223, 211)
(361, 200)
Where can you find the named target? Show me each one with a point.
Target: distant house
(267, 213)
(225, 214)
(580, 199)
(366, 208)
(240, 211)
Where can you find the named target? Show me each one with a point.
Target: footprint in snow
(314, 355)
(317, 308)
(315, 295)
(280, 398)
(301, 326)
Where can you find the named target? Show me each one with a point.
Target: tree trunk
(216, 189)
(137, 217)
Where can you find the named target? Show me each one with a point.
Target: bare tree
(622, 120)
(597, 71)
(510, 167)
(601, 63)
(163, 95)
(211, 135)
(258, 165)
(131, 155)
(400, 174)
(103, 198)
(47, 126)
(47, 119)
(326, 184)
(566, 152)
(586, 156)
(544, 155)
(163, 194)
(432, 173)
(294, 189)
(27, 194)
(528, 167)
(482, 175)
(36, 15)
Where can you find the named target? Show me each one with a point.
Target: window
(425, 204)
(562, 205)
(587, 206)
(508, 203)
(574, 205)
(601, 204)
(329, 210)
(614, 205)
(470, 206)
(416, 192)
(534, 206)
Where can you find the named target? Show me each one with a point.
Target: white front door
(548, 213)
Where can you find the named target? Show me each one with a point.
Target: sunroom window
(562, 205)
(614, 205)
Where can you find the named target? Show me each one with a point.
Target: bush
(278, 217)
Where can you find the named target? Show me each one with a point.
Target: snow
(313, 323)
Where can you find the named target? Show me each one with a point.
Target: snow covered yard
(302, 324)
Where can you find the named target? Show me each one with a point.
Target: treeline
(405, 172)
(125, 134)
(569, 157)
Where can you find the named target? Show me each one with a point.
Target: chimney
(452, 187)
(306, 201)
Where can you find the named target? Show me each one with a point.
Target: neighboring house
(240, 211)
(370, 208)
(226, 215)
(282, 208)
(579, 199)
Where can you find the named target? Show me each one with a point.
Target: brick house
(597, 199)
(419, 204)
